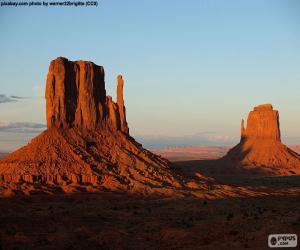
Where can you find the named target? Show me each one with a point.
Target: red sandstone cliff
(76, 97)
(260, 148)
(87, 138)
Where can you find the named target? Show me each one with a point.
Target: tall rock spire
(121, 106)
(242, 130)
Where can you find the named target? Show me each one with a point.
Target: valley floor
(113, 221)
(219, 218)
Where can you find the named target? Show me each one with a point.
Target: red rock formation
(76, 97)
(75, 94)
(120, 102)
(87, 140)
(260, 147)
(263, 124)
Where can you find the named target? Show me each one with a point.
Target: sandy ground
(111, 221)
(233, 213)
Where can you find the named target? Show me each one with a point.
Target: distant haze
(12, 140)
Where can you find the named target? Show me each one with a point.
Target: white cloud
(21, 127)
(5, 99)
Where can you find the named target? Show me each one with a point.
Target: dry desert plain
(230, 212)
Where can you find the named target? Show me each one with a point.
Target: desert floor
(233, 213)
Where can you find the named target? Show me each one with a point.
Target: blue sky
(191, 67)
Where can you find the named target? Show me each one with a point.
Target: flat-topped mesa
(75, 94)
(260, 149)
(76, 97)
(262, 124)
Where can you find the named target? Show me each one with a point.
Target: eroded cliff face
(76, 97)
(87, 138)
(262, 124)
(75, 94)
(260, 146)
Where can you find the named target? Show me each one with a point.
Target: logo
(282, 240)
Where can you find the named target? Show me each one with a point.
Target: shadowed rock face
(261, 146)
(87, 138)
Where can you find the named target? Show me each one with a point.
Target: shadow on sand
(222, 171)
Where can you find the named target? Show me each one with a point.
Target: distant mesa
(87, 139)
(260, 149)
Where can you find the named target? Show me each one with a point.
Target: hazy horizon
(192, 70)
(12, 138)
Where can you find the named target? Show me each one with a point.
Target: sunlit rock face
(262, 123)
(76, 97)
(261, 146)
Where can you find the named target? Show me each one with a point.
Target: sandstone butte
(260, 149)
(87, 139)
